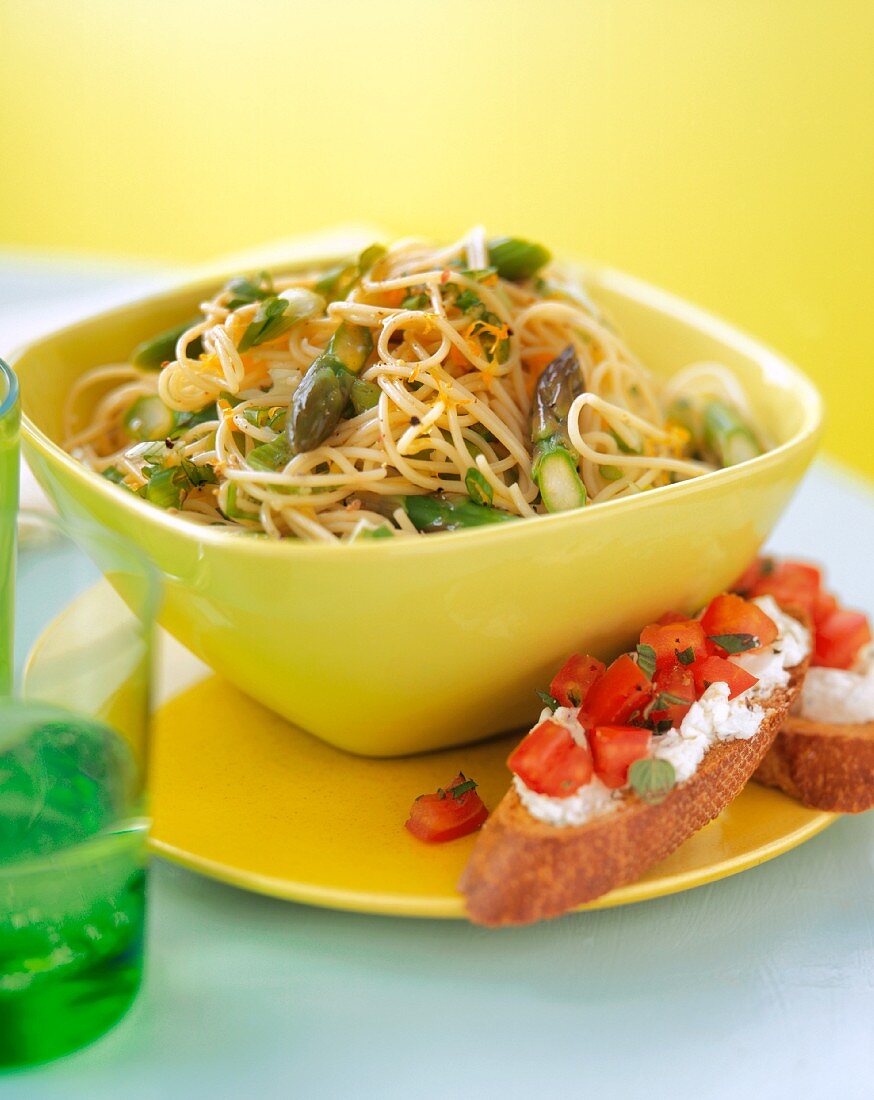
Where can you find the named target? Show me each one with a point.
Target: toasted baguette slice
(824, 765)
(523, 870)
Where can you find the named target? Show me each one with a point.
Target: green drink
(72, 880)
(74, 729)
(9, 417)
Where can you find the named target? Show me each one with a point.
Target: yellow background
(723, 150)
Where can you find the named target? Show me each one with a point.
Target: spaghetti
(453, 343)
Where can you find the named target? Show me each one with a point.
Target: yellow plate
(242, 796)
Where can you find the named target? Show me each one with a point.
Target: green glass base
(62, 1014)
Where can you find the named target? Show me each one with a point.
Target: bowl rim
(605, 278)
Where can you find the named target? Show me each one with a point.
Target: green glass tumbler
(74, 729)
(9, 422)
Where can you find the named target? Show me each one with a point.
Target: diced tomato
(715, 670)
(731, 614)
(614, 750)
(574, 678)
(623, 690)
(669, 639)
(671, 617)
(679, 682)
(445, 815)
(549, 761)
(753, 573)
(825, 604)
(792, 584)
(839, 637)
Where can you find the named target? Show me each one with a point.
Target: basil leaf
(735, 643)
(646, 660)
(652, 780)
(685, 656)
(547, 700)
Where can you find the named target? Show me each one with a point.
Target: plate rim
(429, 907)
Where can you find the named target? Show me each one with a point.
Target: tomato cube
(549, 761)
(445, 815)
(713, 670)
(573, 680)
(792, 584)
(623, 690)
(839, 637)
(673, 684)
(614, 750)
(669, 639)
(730, 615)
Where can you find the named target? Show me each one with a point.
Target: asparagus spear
(555, 466)
(160, 349)
(516, 259)
(729, 437)
(324, 391)
(434, 513)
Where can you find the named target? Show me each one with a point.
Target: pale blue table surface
(761, 985)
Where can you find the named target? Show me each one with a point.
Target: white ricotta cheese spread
(712, 718)
(840, 695)
(591, 800)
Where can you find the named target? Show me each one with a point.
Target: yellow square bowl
(389, 647)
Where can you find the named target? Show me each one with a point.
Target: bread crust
(825, 765)
(523, 870)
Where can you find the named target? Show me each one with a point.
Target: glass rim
(11, 399)
(148, 607)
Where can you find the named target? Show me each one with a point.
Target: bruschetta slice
(629, 761)
(824, 752)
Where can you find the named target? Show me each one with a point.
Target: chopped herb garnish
(370, 256)
(270, 456)
(381, 532)
(665, 699)
(626, 448)
(462, 788)
(415, 301)
(245, 291)
(652, 779)
(547, 699)
(610, 473)
(646, 660)
(478, 488)
(182, 421)
(685, 656)
(735, 643)
(269, 323)
(663, 726)
(198, 475)
(767, 567)
(467, 300)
